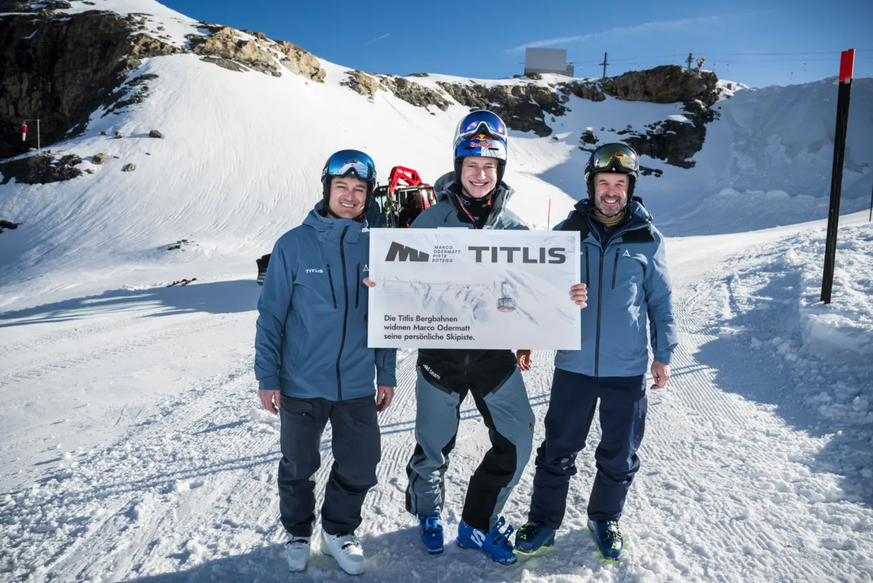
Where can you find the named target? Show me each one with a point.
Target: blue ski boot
(532, 537)
(608, 539)
(494, 544)
(432, 533)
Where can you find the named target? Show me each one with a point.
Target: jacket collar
(448, 188)
(636, 217)
(332, 229)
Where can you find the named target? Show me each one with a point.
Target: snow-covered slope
(132, 447)
(241, 156)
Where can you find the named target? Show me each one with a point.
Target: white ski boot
(297, 552)
(346, 549)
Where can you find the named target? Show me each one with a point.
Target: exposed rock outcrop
(589, 90)
(368, 84)
(414, 93)
(41, 169)
(223, 43)
(665, 84)
(145, 47)
(589, 137)
(362, 83)
(522, 107)
(675, 142)
(223, 46)
(15, 6)
(59, 71)
(301, 62)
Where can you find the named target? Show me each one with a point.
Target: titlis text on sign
(553, 255)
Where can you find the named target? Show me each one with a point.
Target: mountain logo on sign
(398, 252)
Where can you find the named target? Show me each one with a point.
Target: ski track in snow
(738, 484)
(133, 446)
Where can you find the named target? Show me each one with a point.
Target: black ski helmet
(352, 163)
(615, 158)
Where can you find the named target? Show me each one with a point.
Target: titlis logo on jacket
(555, 255)
(398, 252)
(314, 270)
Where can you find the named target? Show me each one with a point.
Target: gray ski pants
(506, 412)
(356, 446)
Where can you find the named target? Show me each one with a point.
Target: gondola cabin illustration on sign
(506, 303)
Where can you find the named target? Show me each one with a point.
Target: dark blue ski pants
(571, 410)
(356, 447)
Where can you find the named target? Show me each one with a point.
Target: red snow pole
(847, 63)
(549, 216)
(23, 132)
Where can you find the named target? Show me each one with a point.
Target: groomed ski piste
(132, 445)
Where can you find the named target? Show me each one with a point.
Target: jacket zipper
(330, 279)
(615, 268)
(587, 274)
(358, 285)
(339, 380)
(599, 309)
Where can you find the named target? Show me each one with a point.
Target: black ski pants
(356, 446)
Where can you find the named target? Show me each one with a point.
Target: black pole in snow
(845, 92)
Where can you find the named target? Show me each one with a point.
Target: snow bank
(841, 331)
(771, 299)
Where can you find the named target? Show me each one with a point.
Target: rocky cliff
(63, 69)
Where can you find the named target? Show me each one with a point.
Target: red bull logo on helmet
(481, 141)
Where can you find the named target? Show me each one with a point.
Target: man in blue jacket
(625, 267)
(313, 364)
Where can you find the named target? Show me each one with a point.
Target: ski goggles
(351, 163)
(480, 122)
(614, 157)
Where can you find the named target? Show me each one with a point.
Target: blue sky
(757, 43)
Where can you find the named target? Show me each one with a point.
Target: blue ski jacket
(447, 212)
(311, 339)
(628, 284)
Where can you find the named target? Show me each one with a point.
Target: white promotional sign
(473, 289)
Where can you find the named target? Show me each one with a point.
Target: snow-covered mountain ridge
(243, 144)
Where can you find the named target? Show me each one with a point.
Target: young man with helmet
(313, 364)
(474, 196)
(624, 265)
